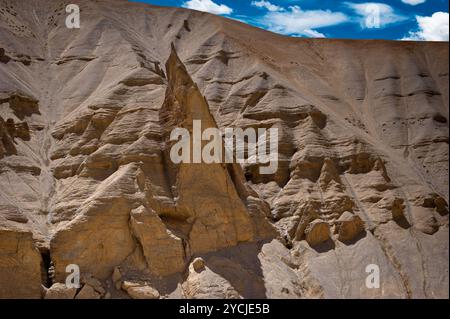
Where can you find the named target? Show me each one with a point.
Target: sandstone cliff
(85, 178)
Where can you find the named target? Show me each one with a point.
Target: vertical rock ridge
(206, 195)
(85, 171)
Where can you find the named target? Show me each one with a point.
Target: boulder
(349, 226)
(198, 264)
(87, 292)
(60, 291)
(317, 232)
(140, 291)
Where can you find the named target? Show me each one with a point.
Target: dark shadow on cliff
(241, 266)
(325, 246)
(357, 238)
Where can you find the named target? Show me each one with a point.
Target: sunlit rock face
(86, 178)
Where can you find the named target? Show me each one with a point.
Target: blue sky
(355, 19)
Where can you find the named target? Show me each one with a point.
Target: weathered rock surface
(204, 283)
(140, 291)
(20, 265)
(87, 292)
(317, 232)
(60, 291)
(85, 177)
(349, 226)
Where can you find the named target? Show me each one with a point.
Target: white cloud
(267, 5)
(313, 33)
(375, 15)
(207, 6)
(295, 21)
(413, 2)
(434, 28)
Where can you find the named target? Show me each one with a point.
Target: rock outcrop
(20, 265)
(86, 176)
(60, 291)
(139, 291)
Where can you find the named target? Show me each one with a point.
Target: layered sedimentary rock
(86, 176)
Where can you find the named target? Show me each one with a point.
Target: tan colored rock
(398, 210)
(424, 221)
(280, 278)
(94, 283)
(128, 284)
(20, 265)
(349, 226)
(317, 232)
(85, 176)
(60, 291)
(117, 275)
(207, 284)
(201, 189)
(139, 291)
(163, 251)
(198, 264)
(108, 207)
(329, 174)
(87, 292)
(12, 213)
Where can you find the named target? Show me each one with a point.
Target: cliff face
(86, 179)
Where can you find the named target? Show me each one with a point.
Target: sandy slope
(84, 176)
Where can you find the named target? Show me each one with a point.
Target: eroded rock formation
(86, 178)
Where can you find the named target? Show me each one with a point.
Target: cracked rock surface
(86, 177)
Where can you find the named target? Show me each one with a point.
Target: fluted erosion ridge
(86, 177)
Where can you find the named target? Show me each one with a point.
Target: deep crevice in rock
(46, 264)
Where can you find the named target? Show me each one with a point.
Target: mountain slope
(85, 178)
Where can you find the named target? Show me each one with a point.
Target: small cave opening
(46, 265)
